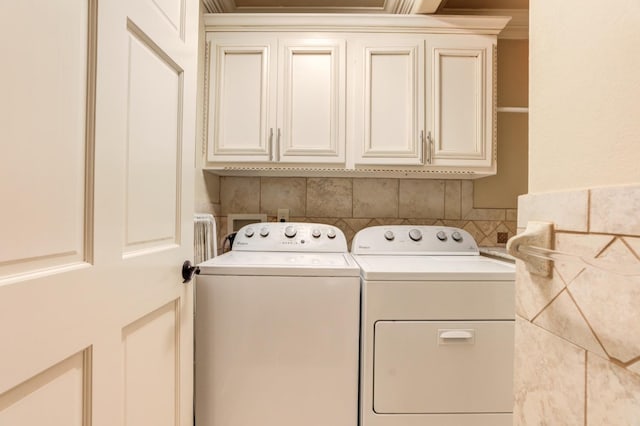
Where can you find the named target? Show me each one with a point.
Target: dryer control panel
(414, 240)
(290, 236)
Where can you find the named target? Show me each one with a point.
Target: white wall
(584, 94)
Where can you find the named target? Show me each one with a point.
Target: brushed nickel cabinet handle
(271, 144)
(423, 146)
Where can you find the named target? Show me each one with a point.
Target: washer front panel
(277, 350)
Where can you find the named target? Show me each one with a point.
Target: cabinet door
(460, 93)
(389, 101)
(311, 100)
(242, 96)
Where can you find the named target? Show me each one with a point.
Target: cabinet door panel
(241, 91)
(311, 113)
(461, 99)
(389, 120)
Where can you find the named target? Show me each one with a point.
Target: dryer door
(425, 367)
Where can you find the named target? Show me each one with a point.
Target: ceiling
(360, 6)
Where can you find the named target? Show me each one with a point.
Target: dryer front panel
(426, 367)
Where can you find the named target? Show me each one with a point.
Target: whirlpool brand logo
(364, 247)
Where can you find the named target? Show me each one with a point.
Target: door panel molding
(31, 401)
(59, 235)
(154, 145)
(151, 351)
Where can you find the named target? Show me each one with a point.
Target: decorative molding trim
(213, 6)
(244, 22)
(516, 29)
(206, 98)
(361, 172)
(90, 131)
(403, 7)
(494, 104)
(428, 6)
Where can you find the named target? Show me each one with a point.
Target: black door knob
(188, 270)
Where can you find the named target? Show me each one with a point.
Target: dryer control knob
(331, 234)
(456, 236)
(389, 235)
(316, 233)
(415, 234)
(248, 232)
(264, 232)
(290, 232)
(441, 236)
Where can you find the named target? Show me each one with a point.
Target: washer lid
(432, 268)
(281, 263)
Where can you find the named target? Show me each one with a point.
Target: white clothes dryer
(437, 329)
(277, 329)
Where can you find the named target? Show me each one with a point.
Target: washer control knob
(441, 236)
(415, 234)
(331, 234)
(316, 233)
(248, 232)
(456, 236)
(290, 232)
(264, 231)
(389, 235)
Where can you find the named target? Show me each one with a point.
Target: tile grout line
(352, 197)
(631, 361)
(459, 215)
(588, 213)
(633, 252)
(544, 308)
(260, 198)
(586, 390)
(586, 320)
(306, 197)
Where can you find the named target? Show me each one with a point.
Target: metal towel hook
(534, 247)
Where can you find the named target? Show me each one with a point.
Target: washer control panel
(290, 236)
(414, 240)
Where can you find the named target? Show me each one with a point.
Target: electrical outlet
(283, 215)
(503, 237)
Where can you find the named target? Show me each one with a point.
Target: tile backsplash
(355, 203)
(577, 332)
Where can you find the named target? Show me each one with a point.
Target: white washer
(277, 330)
(437, 329)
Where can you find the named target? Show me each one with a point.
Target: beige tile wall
(355, 203)
(578, 332)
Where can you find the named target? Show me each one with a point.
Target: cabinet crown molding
(365, 23)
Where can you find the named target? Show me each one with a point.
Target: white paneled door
(97, 129)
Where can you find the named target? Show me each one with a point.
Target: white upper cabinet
(311, 100)
(388, 102)
(336, 95)
(242, 97)
(277, 100)
(460, 108)
(447, 125)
